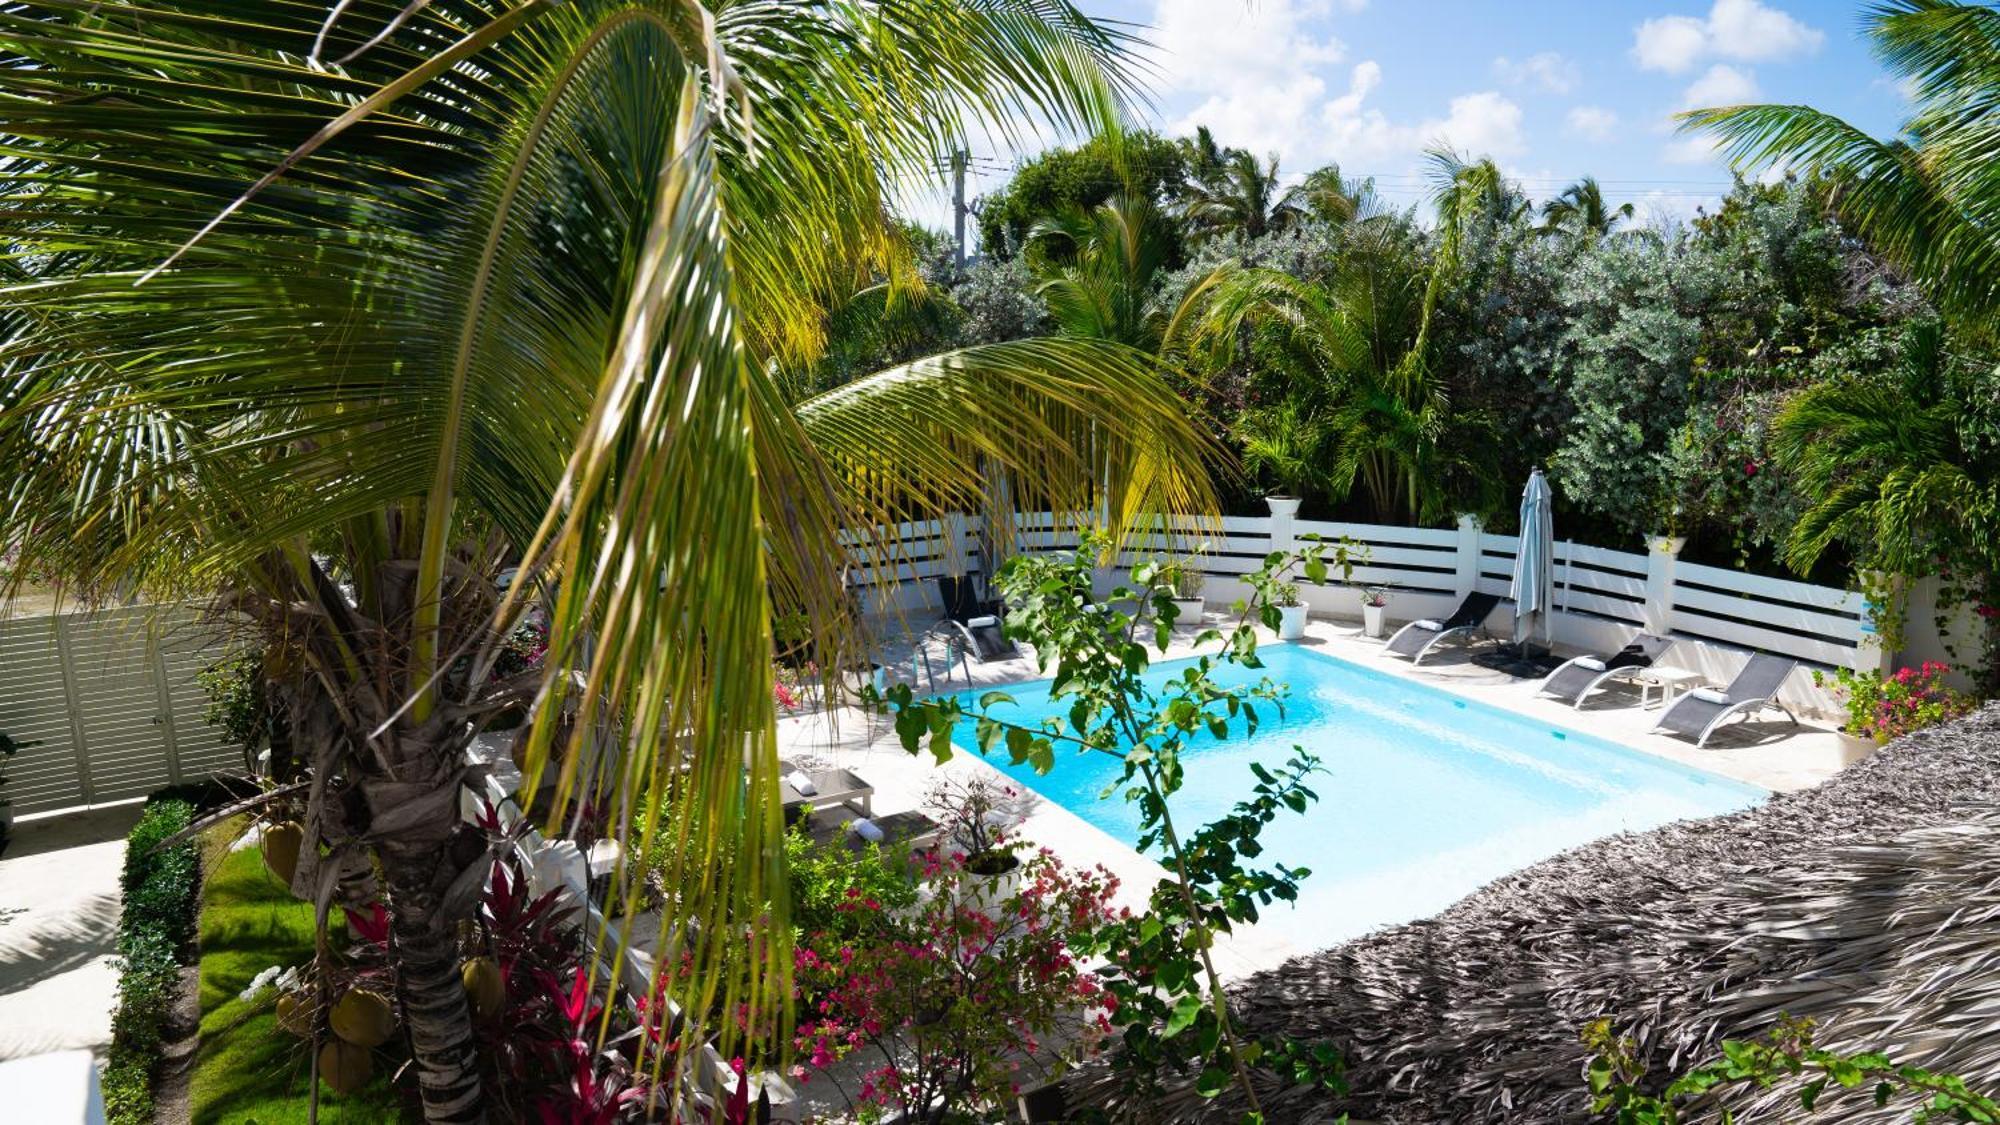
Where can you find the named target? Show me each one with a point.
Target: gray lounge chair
(975, 621)
(1575, 679)
(1417, 638)
(1697, 713)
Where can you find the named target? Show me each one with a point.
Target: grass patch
(249, 1071)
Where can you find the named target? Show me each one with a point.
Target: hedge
(155, 938)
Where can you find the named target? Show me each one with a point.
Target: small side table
(1669, 680)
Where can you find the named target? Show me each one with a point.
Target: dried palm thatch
(1870, 904)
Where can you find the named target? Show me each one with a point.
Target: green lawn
(249, 1070)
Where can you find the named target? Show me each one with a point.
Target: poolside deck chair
(1574, 680)
(1417, 638)
(976, 620)
(1697, 713)
(825, 788)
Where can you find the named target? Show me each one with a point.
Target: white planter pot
(1291, 622)
(1371, 619)
(1187, 613)
(987, 892)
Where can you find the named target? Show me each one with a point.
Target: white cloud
(1751, 32)
(1694, 148)
(1254, 66)
(1485, 123)
(1720, 85)
(1592, 122)
(1741, 30)
(1670, 43)
(1547, 69)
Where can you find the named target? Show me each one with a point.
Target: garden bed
(248, 1069)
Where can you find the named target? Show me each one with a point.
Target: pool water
(1426, 796)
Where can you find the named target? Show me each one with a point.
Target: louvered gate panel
(34, 708)
(115, 686)
(112, 703)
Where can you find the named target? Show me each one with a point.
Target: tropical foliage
(342, 309)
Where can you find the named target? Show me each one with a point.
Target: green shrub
(155, 935)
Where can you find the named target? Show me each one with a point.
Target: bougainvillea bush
(961, 1000)
(1885, 707)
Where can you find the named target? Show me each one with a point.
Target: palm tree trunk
(428, 984)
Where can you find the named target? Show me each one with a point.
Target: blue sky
(1552, 89)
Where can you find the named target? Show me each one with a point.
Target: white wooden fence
(1601, 594)
(110, 701)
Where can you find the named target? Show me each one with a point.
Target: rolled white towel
(867, 830)
(1590, 662)
(986, 622)
(801, 783)
(1427, 623)
(1709, 694)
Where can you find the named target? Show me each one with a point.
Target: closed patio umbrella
(1534, 564)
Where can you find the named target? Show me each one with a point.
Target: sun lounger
(1417, 638)
(975, 621)
(910, 828)
(826, 788)
(1696, 714)
(1574, 680)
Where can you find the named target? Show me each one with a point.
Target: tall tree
(516, 298)
(1064, 180)
(1581, 208)
(1334, 199)
(1930, 198)
(1112, 256)
(1903, 467)
(1229, 192)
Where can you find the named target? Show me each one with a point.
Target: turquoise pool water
(1426, 796)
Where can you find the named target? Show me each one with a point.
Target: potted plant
(1374, 606)
(977, 816)
(1185, 578)
(1291, 611)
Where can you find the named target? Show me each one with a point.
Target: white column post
(1284, 522)
(1662, 553)
(957, 545)
(1871, 650)
(1469, 532)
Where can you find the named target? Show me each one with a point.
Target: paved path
(58, 931)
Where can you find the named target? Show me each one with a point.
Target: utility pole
(958, 161)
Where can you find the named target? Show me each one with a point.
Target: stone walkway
(58, 931)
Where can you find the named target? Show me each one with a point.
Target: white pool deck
(1769, 753)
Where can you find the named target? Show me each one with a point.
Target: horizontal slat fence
(1426, 570)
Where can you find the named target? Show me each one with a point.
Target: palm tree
(1229, 192)
(1111, 257)
(518, 297)
(1333, 199)
(1904, 466)
(1581, 207)
(1343, 413)
(1930, 198)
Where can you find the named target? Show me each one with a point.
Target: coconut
(345, 1067)
(485, 988)
(295, 1014)
(280, 844)
(364, 1018)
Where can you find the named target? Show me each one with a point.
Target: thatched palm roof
(1871, 904)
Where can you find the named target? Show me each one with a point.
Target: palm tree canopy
(1581, 206)
(1929, 199)
(1229, 191)
(1112, 256)
(516, 291)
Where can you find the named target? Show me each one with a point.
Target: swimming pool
(1426, 797)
